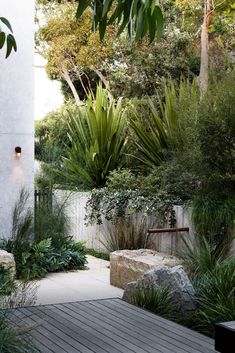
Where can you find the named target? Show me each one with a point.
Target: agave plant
(98, 141)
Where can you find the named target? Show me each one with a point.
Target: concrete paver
(90, 284)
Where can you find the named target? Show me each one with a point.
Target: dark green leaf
(11, 44)
(152, 22)
(160, 21)
(6, 23)
(2, 39)
(82, 6)
(106, 7)
(102, 28)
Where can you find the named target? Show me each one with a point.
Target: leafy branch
(141, 17)
(7, 39)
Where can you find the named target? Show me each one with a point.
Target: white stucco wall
(16, 109)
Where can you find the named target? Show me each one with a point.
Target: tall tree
(71, 47)
(209, 11)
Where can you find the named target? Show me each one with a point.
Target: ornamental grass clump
(14, 334)
(158, 300)
(130, 232)
(215, 292)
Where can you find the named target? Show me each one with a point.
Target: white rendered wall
(16, 109)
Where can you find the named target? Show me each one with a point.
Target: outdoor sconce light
(18, 151)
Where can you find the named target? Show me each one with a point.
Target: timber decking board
(107, 326)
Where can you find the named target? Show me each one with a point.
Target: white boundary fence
(93, 235)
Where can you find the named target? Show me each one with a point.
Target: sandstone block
(7, 260)
(128, 265)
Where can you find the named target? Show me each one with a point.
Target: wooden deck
(108, 325)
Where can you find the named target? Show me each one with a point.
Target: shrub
(158, 300)
(168, 124)
(127, 194)
(51, 220)
(43, 258)
(214, 206)
(47, 249)
(14, 339)
(99, 254)
(200, 256)
(98, 141)
(216, 296)
(213, 215)
(51, 134)
(7, 284)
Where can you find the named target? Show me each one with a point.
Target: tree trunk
(103, 80)
(67, 78)
(204, 66)
(81, 81)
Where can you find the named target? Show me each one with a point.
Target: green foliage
(123, 199)
(7, 39)
(14, 339)
(141, 71)
(22, 228)
(216, 296)
(214, 205)
(200, 257)
(153, 141)
(51, 134)
(213, 216)
(140, 17)
(7, 284)
(158, 300)
(217, 134)
(51, 220)
(74, 52)
(47, 248)
(43, 257)
(98, 254)
(98, 141)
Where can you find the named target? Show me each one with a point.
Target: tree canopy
(140, 17)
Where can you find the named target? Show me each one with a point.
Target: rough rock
(177, 281)
(8, 261)
(128, 265)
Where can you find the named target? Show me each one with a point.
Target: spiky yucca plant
(98, 141)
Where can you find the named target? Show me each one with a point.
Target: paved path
(65, 287)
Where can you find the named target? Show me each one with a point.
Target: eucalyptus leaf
(2, 39)
(6, 23)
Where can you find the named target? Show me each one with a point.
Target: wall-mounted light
(18, 151)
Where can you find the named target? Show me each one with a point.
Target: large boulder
(175, 279)
(7, 260)
(128, 265)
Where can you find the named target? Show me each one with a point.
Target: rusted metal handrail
(168, 230)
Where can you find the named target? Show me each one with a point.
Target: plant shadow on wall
(46, 248)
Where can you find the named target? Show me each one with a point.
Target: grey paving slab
(90, 284)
